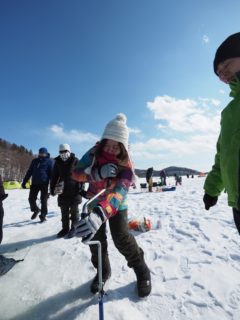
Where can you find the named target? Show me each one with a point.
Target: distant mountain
(170, 171)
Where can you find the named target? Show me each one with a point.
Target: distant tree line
(14, 160)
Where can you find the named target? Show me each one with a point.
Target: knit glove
(89, 225)
(23, 185)
(108, 170)
(209, 201)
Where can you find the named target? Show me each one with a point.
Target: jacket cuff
(108, 208)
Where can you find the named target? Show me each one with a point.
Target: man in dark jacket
(163, 178)
(3, 196)
(40, 171)
(149, 179)
(67, 189)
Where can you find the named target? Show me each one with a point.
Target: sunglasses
(63, 151)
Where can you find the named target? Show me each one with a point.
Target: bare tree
(14, 161)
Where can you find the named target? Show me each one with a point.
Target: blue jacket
(40, 170)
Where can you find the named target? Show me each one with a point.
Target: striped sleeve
(116, 197)
(80, 172)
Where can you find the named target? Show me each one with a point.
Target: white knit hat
(117, 130)
(64, 147)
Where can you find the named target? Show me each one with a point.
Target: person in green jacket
(225, 173)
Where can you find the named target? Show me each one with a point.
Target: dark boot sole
(42, 219)
(34, 216)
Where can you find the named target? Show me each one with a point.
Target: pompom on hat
(230, 48)
(117, 130)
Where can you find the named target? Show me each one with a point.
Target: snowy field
(194, 260)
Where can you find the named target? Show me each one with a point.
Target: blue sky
(67, 67)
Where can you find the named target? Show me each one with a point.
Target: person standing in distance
(67, 189)
(149, 178)
(40, 171)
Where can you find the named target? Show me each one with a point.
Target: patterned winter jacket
(114, 198)
(225, 173)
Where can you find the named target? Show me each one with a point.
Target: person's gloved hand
(58, 189)
(108, 170)
(23, 186)
(88, 226)
(209, 201)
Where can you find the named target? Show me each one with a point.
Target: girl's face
(112, 147)
(227, 69)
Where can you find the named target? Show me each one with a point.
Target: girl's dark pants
(123, 240)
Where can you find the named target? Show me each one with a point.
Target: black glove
(108, 170)
(3, 196)
(83, 193)
(89, 225)
(209, 201)
(23, 186)
(52, 192)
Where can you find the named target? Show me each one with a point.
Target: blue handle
(101, 314)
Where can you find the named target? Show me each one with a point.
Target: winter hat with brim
(43, 151)
(117, 130)
(230, 48)
(64, 147)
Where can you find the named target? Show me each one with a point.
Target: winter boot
(42, 217)
(71, 233)
(65, 223)
(35, 213)
(105, 276)
(62, 233)
(144, 285)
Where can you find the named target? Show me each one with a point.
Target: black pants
(69, 212)
(34, 190)
(236, 217)
(1, 221)
(123, 240)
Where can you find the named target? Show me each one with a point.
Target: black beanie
(230, 48)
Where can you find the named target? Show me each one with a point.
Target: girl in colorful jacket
(225, 173)
(108, 166)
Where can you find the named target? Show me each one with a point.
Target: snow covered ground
(194, 260)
